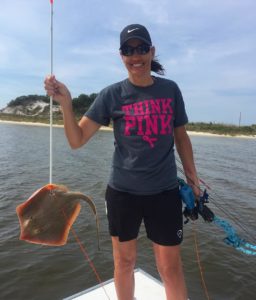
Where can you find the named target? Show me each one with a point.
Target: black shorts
(161, 213)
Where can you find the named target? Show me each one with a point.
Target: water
(29, 271)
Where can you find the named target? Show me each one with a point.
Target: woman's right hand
(57, 90)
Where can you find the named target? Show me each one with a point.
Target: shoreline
(198, 133)
(105, 128)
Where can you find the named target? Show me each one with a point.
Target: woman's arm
(77, 133)
(185, 151)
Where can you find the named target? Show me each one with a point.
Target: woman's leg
(169, 266)
(124, 254)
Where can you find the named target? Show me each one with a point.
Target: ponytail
(157, 67)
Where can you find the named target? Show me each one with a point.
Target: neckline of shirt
(142, 87)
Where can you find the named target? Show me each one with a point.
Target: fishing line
(220, 207)
(217, 205)
(200, 264)
(86, 255)
(235, 219)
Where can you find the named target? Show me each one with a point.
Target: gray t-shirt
(143, 121)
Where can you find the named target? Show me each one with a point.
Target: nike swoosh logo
(131, 30)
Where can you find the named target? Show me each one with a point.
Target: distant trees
(80, 104)
(25, 100)
(221, 128)
(83, 102)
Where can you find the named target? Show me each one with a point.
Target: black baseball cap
(135, 31)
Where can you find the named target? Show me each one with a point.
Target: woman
(148, 116)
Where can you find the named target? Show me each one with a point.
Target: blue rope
(191, 211)
(233, 239)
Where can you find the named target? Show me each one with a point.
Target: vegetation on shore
(214, 128)
(31, 119)
(80, 104)
(83, 102)
(223, 129)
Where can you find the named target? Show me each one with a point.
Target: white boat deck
(146, 288)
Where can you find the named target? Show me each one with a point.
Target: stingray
(47, 216)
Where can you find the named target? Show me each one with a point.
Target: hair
(157, 67)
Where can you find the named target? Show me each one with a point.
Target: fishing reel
(193, 206)
(187, 196)
(190, 214)
(204, 210)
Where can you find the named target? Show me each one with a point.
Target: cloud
(155, 12)
(207, 47)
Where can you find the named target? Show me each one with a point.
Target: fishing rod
(193, 207)
(227, 213)
(214, 201)
(82, 248)
(51, 99)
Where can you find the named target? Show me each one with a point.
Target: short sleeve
(99, 111)
(181, 117)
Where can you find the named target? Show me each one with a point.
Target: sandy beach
(105, 128)
(220, 135)
(44, 124)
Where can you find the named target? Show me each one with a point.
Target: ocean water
(35, 272)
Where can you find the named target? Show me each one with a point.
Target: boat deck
(146, 288)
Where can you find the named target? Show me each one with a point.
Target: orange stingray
(47, 216)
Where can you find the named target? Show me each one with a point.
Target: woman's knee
(125, 263)
(169, 270)
(168, 261)
(124, 255)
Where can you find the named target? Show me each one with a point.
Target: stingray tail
(93, 207)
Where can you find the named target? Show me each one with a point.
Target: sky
(207, 47)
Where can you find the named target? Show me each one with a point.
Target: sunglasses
(129, 50)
